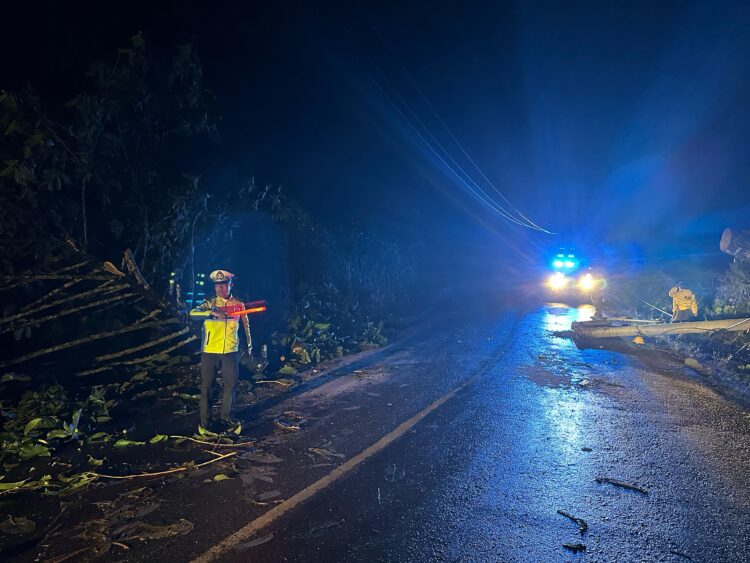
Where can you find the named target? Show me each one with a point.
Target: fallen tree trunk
(736, 243)
(86, 340)
(104, 288)
(39, 320)
(583, 329)
(135, 349)
(142, 359)
(66, 312)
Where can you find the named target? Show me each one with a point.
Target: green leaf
(11, 486)
(207, 433)
(237, 430)
(140, 376)
(220, 477)
(95, 462)
(158, 438)
(76, 482)
(17, 526)
(58, 433)
(30, 425)
(32, 451)
(40, 423)
(288, 370)
(75, 420)
(122, 443)
(99, 437)
(191, 398)
(14, 377)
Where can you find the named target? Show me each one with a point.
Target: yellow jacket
(682, 300)
(220, 336)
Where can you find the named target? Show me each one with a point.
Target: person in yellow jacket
(684, 304)
(220, 347)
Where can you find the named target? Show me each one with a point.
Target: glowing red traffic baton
(255, 307)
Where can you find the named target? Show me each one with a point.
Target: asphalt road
(462, 441)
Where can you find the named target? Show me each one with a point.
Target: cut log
(79, 312)
(736, 243)
(47, 296)
(93, 305)
(140, 347)
(143, 359)
(80, 341)
(104, 288)
(583, 329)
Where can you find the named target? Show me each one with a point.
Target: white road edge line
(247, 531)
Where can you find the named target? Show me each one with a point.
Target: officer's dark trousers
(229, 364)
(682, 315)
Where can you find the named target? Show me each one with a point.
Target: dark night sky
(604, 121)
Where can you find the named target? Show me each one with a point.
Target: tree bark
(32, 322)
(584, 329)
(134, 349)
(78, 342)
(104, 288)
(140, 360)
(133, 268)
(736, 243)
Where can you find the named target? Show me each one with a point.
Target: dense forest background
(134, 161)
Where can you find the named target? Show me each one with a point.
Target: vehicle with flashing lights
(571, 276)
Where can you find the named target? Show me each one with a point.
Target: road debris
(580, 522)
(261, 457)
(269, 495)
(327, 454)
(290, 421)
(142, 531)
(287, 426)
(282, 382)
(622, 484)
(574, 547)
(680, 554)
(320, 529)
(252, 543)
(393, 473)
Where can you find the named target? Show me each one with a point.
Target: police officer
(220, 347)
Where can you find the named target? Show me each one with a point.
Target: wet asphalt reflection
(545, 427)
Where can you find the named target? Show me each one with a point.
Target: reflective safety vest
(683, 300)
(220, 336)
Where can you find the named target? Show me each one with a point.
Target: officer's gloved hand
(251, 362)
(259, 365)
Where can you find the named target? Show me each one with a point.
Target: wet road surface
(493, 425)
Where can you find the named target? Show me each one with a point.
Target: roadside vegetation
(721, 356)
(119, 167)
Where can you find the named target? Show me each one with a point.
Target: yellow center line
(247, 531)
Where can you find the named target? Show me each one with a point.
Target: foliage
(732, 296)
(105, 170)
(723, 355)
(114, 168)
(324, 324)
